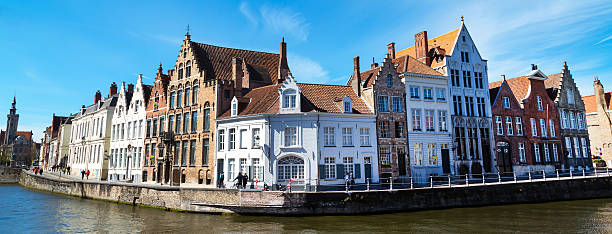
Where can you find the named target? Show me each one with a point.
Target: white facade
(305, 149)
(64, 141)
(127, 135)
(90, 139)
(428, 123)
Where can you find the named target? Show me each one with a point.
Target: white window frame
(568, 145)
(329, 167)
(555, 152)
(347, 136)
(534, 127)
(519, 125)
(539, 101)
(509, 127)
(536, 152)
(543, 128)
(290, 137)
(442, 121)
(521, 149)
(329, 136)
(364, 136)
(499, 125)
(551, 126)
(546, 153)
(506, 102)
(577, 147)
(585, 152)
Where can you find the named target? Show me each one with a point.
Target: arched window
(188, 69)
(187, 96)
(179, 98)
(290, 167)
(180, 71)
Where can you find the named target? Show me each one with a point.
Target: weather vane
(187, 28)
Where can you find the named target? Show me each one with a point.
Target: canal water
(28, 211)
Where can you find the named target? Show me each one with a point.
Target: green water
(23, 210)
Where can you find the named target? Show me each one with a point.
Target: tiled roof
(409, 64)
(519, 86)
(315, 98)
(446, 42)
(553, 81)
(217, 62)
(27, 135)
(590, 104)
(146, 92)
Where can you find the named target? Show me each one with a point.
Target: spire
(14, 102)
(283, 67)
(160, 69)
(187, 36)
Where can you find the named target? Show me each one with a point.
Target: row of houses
(427, 110)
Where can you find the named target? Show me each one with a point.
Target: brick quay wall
(209, 200)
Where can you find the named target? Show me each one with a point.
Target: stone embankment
(9, 175)
(210, 200)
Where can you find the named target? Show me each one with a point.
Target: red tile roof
(445, 42)
(27, 135)
(217, 62)
(590, 104)
(519, 86)
(409, 64)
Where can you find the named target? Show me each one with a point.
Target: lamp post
(127, 165)
(160, 148)
(84, 150)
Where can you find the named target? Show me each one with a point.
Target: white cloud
(281, 20)
(306, 70)
(604, 40)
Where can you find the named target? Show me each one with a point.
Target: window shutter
(321, 171)
(357, 173)
(339, 171)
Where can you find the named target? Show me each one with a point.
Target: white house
(90, 137)
(428, 117)
(303, 134)
(127, 133)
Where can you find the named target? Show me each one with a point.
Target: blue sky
(56, 54)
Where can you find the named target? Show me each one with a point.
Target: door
(504, 157)
(401, 160)
(445, 161)
(368, 171)
(167, 172)
(220, 172)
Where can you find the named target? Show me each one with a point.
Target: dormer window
(347, 105)
(289, 98)
(234, 106)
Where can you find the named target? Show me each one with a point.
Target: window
(536, 152)
(428, 93)
(364, 136)
(442, 125)
(232, 138)
(469, 106)
(555, 152)
(290, 136)
(572, 120)
(290, 167)
(178, 124)
(184, 153)
(399, 129)
(539, 100)
(148, 128)
(429, 120)
(244, 167)
(256, 138)
(389, 80)
(231, 168)
(179, 98)
(455, 77)
(347, 136)
(506, 102)
(161, 123)
(570, 97)
(187, 68)
(543, 127)
(349, 166)
(482, 111)
(509, 128)
(123, 131)
(414, 92)
(154, 128)
(579, 121)
(330, 168)
(192, 153)
(519, 126)
(235, 108)
(467, 79)
(348, 108)
(289, 98)
(458, 109)
(564, 123)
(221, 139)
(416, 119)
(172, 97)
(195, 95)
(146, 155)
(385, 156)
(397, 105)
(180, 71)
(551, 125)
(418, 153)
(383, 104)
(465, 57)
(194, 121)
(207, 119)
(187, 96)
(546, 153)
(186, 123)
(243, 139)
(383, 127)
(576, 147)
(568, 146)
(499, 125)
(584, 147)
(329, 138)
(479, 81)
(205, 149)
(140, 129)
(257, 169)
(534, 128)
(441, 94)
(521, 148)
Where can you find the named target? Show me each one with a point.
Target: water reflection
(29, 211)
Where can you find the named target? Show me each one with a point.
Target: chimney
(503, 77)
(113, 89)
(374, 64)
(97, 97)
(421, 47)
(391, 50)
(283, 67)
(357, 74)
(237, 72)
(534, 67)
(600, 96)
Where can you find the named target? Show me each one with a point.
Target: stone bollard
(571, 175)
(467, 180)
(449, 182)
(544, 175)
(514, 175)
(431, 181)
(483, 178)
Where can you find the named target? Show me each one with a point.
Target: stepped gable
(217, 62)
(590, 103)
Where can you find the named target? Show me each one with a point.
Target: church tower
(11, 124)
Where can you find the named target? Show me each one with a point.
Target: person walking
(239, 180)
(221, 179)
(245, 179)
(87, 173)
(351, 180)
(82, 174)
(346, 180)
(41, 170)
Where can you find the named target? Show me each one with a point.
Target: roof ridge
(325, 84)
(234, 48)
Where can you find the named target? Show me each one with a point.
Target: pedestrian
(68, 170)
(346, 180)
(87, 173)
(352, 180)
(245, 179)
(239, 180)
(82, 174)
(221, 178)
(41, 170)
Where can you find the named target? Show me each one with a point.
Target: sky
(54, 55)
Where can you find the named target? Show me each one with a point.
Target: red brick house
(526, 124)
